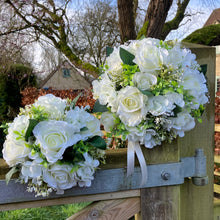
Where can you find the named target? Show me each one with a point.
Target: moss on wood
(209, 35)
(143, 30)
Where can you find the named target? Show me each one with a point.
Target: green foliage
(128, 73)
(60, 212)
(13, 79)
(208, 35)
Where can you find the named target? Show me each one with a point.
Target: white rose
(149, 58)
(158, 105)
(53, 106)
(86, 171)
(93, 128)
(15, 152)
(108, 120)
(54, 137)
(131, 107)
(31, 170)
(17, 129)
(183, 122)
(60, 177)
(104, 90)
(144, 81)
(114, 63)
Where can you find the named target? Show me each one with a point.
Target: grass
(60, 212)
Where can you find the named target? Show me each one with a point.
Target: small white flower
(104, 90)
(183, 122)
(86, 171)
(53, 106)
(194, 80)
(30, 170)
(149, 140)
(77, 117)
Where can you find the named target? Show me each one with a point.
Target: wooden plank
(70, 200)
(197, 201)
(161, 203)
(217, 209)
(120, 209)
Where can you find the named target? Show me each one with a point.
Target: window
(66, 72)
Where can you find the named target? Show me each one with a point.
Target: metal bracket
(195, 167)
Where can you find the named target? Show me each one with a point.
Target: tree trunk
(126, 20)
(156, 16)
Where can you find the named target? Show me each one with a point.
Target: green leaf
(177, 110)
(9, 174)
(109, 50)
(99, 108)
(204, 69)
(146, 92)
(84, 129)
(32, 124)
(73, 103)
(126, 57)
(97, 142)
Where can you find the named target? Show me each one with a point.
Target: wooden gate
(119, 197)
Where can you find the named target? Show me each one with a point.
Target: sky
(201, 10)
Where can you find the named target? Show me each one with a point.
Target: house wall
(75, 81)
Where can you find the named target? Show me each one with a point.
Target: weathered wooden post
(165, 196)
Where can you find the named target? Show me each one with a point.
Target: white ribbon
(134, 147)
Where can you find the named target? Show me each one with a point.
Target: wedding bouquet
(152, 92)
(54, 146)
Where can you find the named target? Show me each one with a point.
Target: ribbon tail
(142, 163)
(130, 158)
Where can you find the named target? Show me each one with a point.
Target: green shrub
(13, 79)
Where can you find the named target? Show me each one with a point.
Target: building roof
(80, 80)
(214, 18)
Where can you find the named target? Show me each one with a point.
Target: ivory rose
(54, 137)
(144, 81)
(60, 177)
(131, 106)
